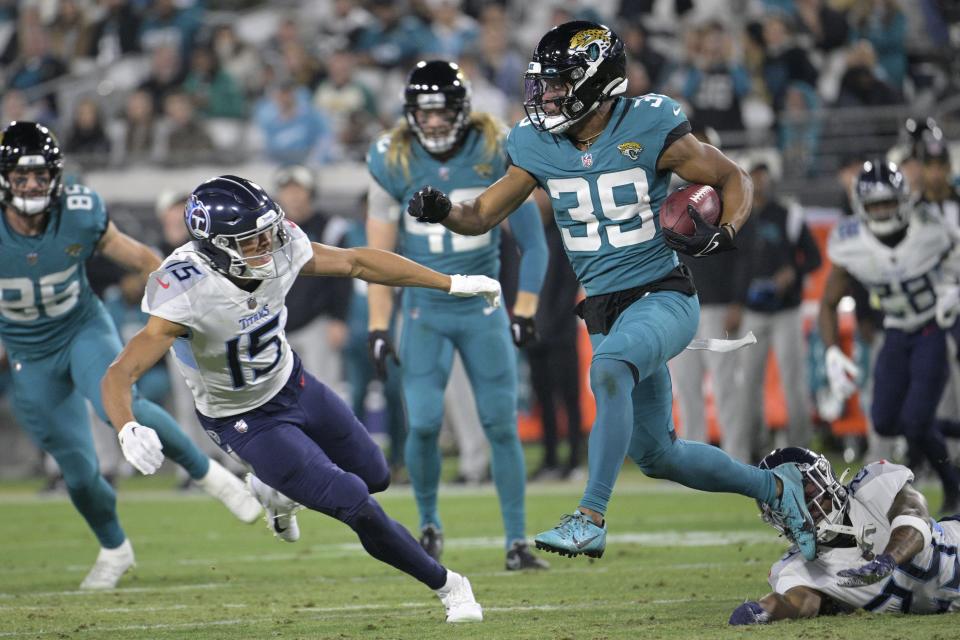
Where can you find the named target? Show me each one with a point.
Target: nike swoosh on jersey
(488, 310)
(676, 110)
(165, 285)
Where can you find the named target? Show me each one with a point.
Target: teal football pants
(48, 401)
(631, 384)
(490, 359)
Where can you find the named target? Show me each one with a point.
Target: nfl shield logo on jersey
(241, 426)
(587, 160)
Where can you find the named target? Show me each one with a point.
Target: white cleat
(229, 489)
(110, 565)
(280, 511)
(457, 597)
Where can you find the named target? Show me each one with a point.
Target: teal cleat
(791, 509)
(575, 534)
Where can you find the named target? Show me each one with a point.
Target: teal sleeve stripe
(527, 230)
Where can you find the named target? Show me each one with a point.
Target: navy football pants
(307, 444)
(909, 377)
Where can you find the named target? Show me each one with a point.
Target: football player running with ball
(878, 549)
(441, 141)
(605, 160)
(218, 302)
(60, 340)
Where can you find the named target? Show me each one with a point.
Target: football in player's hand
(702, 197)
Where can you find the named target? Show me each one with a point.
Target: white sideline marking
(651, 539)
(87, 592)
(533, 489)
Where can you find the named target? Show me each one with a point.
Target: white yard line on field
(649, 539)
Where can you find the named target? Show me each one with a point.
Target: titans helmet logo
(592, 42)
(197, 217)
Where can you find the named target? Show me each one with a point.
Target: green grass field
(677, 563)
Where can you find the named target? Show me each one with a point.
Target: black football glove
(380, 349)
(707, 239)
(523, 331)
(429, 205)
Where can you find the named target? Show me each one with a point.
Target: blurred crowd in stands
(301, 84)
(179, 82)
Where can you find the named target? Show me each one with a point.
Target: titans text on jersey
(235, 356)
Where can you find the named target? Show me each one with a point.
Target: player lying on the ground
(218, 302)
(877, 547)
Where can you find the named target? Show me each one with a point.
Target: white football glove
(469, 286)
(841, 372)
(141, 447)
(948, 304)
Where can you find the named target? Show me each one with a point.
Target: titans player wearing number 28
(605, 161)
(60, 339)
(218, 302)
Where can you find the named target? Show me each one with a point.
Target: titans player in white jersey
(218, 302)
(878, 549)
(606, 161)
(902, 254)
(60, 339)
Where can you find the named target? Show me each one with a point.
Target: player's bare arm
(700, 163)
(906, 541)
(798, 602)
(127, 252)
(380, 235)
(838, 282)
(143, 351)
(373, 265)
(499, 200)
(909, 533)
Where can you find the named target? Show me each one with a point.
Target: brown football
(673, 212)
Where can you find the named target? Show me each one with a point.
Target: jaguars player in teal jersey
(605, 160)
(441, 141)
(60, 339)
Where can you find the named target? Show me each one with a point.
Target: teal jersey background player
(606, 161)
(441, 142)
(60, 339)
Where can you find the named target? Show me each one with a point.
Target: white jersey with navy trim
(236, 356)
(901, 279)
(930, 583)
